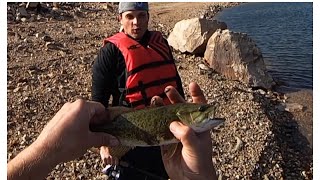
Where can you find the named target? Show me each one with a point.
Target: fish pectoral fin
(119, 151)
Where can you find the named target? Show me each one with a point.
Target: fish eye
(202, 108)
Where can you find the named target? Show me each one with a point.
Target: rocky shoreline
(49, 63)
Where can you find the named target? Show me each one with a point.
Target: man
(133, 66)
(67, 136)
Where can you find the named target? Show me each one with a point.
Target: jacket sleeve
(179, 85)
(103, 75)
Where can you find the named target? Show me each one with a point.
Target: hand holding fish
(64, 138)
(192, 159)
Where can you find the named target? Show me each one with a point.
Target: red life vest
(149, 69)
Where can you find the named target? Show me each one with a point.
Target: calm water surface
(283, 32)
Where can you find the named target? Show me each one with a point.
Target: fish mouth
(207, 124)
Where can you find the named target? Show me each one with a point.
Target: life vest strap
(149, 65)
(157, 43)
(142, 89)
(162, 51)
(142, 101)
(151, 84)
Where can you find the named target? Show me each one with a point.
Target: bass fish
(150, 126)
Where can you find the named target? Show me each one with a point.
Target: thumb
(184, 133)
(177, 129)
(190, 143)
(98, 139)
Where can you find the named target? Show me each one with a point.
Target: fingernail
(153, 100)
(174, 126)
(167, 89)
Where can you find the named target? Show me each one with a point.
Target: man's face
(135, 23)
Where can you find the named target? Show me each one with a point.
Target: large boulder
(192, 35)
(236, 56)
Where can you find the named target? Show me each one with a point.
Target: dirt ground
(50, 56)
(170, 13)
(305, 117)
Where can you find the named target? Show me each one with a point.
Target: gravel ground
(49, 61)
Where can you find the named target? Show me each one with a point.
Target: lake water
(284, 33)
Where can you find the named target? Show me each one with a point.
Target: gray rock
(46, 38)
(238, 145)
(54, 46)
(23, 12)
(56, 4)
(192, 35)
(23, 19)
(32, 18)
(236, 56)
(203, 67)
(280, 107)
(32, 5)
(39, 35)
(107, 7)
(291, 107)
(16, 89)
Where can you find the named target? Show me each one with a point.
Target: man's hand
(68, 132)
(192, 159)
(65, 137)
